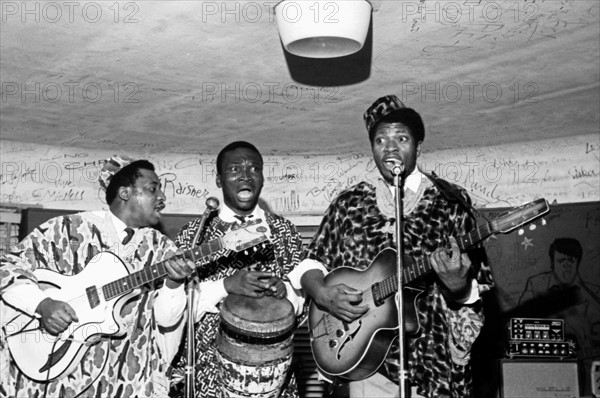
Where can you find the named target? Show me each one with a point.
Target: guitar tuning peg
(543, 221)
(532, 227)
(521, 232)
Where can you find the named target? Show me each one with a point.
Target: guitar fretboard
(155, 271)
(415, 268)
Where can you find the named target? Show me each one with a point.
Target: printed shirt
(116, 366)
(354, 231)
(280, 256)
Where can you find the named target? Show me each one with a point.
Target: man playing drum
(247, 276)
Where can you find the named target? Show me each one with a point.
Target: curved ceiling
(190, 76)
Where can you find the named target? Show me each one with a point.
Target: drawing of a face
(565, 267)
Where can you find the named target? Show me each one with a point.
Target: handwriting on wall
(565, 170)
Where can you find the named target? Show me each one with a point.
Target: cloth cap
(111, 167)
(380, 109)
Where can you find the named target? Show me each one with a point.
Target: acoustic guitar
(97, 295)
(354, 351)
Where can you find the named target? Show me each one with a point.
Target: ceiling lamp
(323, 28)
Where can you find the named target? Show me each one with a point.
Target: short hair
(569, 246)
(408, 117)
(126, 177)
(232, 147)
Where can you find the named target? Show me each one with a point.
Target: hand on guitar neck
(178, 269)
(340, 300)
(453, 271)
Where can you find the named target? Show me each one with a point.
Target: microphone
(395, 166)
(212, 204)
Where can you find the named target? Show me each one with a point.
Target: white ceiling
(186, 76)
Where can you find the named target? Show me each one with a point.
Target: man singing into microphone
(360, 223)
(253, 274)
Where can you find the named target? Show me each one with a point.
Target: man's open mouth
(244, 194)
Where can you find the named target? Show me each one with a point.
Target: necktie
(242, 218)
(127, 238)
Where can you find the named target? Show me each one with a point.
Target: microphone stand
(190, 332)
(397, 172)
(211, 205)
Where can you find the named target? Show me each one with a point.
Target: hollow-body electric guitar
(354, 351)
(97, 295)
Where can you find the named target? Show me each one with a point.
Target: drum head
(263, 317)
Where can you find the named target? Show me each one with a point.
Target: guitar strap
(451, 194)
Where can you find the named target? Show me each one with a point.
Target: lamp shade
(323, 28)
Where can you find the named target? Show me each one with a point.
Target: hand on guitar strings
(343, 302)
(56, 316)
(255, 284)
(453, 271)
(178, 269)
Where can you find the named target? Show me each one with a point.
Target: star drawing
(526, 242)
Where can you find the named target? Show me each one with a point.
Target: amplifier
(536, 329)
(539, 378)
(538, 349)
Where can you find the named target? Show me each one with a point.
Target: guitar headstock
(521, 215)
(247, 235)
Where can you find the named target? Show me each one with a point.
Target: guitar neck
(158, 270)
(415, 268)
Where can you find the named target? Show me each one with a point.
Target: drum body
(254, 346)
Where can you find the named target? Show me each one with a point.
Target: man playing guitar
(359, 224)
(132, 364)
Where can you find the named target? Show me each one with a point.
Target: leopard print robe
(353, 232)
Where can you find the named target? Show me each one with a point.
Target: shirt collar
(119, 225)
(228, 215)
(412, 182)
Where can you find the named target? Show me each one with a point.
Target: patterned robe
(115, 367)
(281, 256)
(353, 232)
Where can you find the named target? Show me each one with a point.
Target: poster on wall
(550, 268)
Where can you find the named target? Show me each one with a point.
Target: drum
(255, 346)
